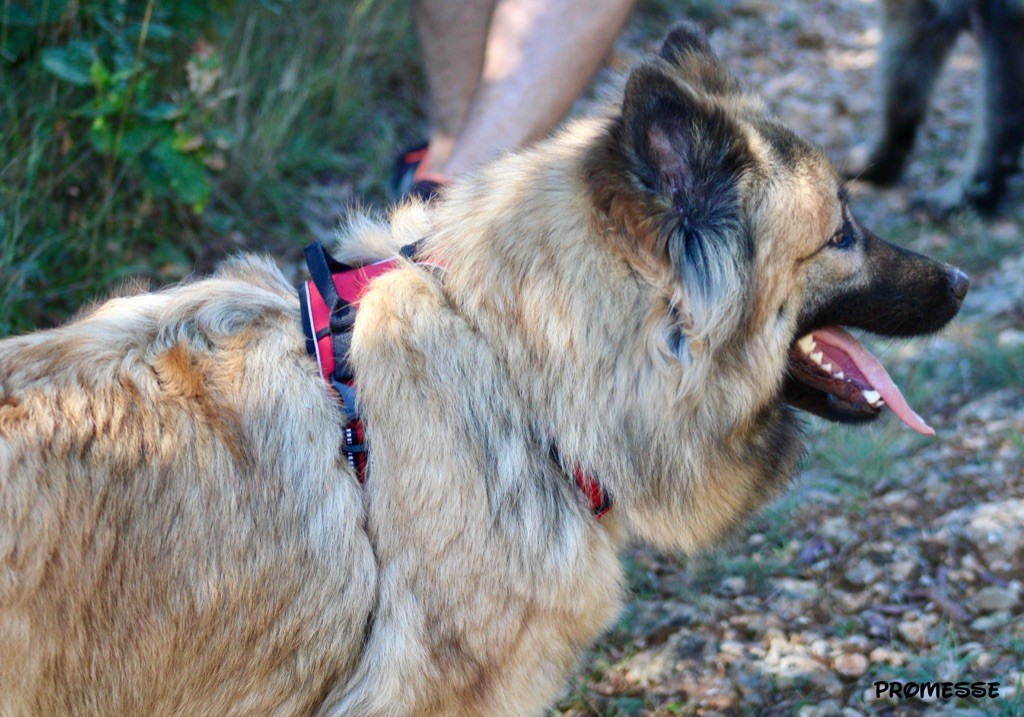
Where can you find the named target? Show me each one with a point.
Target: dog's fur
(917, 39)
(178, 533)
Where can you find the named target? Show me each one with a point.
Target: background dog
(650, 292)
(918, 37)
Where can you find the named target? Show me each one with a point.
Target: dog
(918, 35)
(648, 297)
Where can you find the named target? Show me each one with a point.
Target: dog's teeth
(873, 397)
(807, 344)
(839, 374)
(817, 356)
(827, 367)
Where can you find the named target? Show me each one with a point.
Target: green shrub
(101, 135)
(136, 133)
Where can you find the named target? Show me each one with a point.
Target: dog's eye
(842, 239)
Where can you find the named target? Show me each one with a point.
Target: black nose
(958, 284)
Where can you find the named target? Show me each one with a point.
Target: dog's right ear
(689, 157)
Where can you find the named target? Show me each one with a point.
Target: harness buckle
(348, 398)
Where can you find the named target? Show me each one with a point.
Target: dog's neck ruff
(329, 301)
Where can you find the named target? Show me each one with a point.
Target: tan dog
(650, 291)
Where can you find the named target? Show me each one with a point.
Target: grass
(335, 93)
(299, 90)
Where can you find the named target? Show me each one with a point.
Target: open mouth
(850, 382)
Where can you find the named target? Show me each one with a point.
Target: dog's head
(754, 228)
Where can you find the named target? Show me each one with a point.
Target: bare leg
(453, 35)
(540, 55)
(918, 35)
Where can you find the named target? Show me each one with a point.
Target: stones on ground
(984, 660)
(993, 598)
(903, 570)
(820, 648)
(888, 656)
(837, 529)
(948, 671)
(749, 681)
(798, 589)
(753, 8)
(734, 585)
(1014, 685)
(1010, 338)
(790, 663)
(914, 632)
(828, 683)
(792, 598)
(856, 643)
(863, 573)
(852, 603)
(828, 708)
(756, 624)
(1004, 291)
(988, 623)
(666, 616)
(810, 40)
(851, 665)
(996, 531)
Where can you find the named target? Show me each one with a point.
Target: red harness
(329, 302)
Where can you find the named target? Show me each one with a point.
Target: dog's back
(160, 534)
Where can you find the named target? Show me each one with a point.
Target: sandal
(409, 177)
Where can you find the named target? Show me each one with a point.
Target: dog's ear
(671, 137)
(684, 37)
(684, 150)
(688, 52)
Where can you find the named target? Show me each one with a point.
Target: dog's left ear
(673, 139)
(689, 157)
(687, 50)
(682, 38)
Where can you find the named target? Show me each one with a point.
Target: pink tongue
(876, 375)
